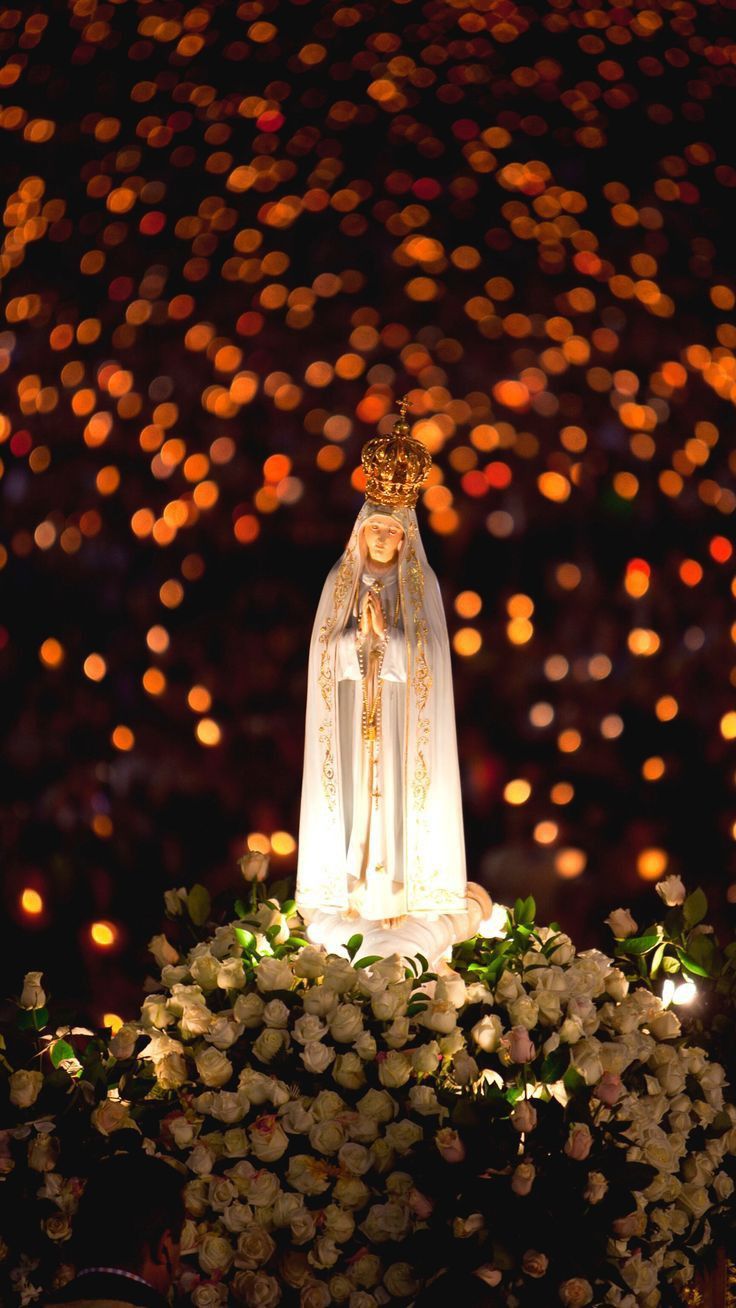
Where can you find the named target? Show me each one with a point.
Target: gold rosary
(371, 714)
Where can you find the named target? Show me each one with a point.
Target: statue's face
(383, 536)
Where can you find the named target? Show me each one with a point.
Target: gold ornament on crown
(395, 466)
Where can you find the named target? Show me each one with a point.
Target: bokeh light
(227, 253)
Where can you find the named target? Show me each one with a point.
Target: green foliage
(199, 904)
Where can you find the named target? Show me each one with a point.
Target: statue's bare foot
(391, 922)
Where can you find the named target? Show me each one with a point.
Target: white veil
(434, 852)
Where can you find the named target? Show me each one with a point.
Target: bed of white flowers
(352, 1127)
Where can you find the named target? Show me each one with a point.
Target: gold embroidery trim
(326, 677)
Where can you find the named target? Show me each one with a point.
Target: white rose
(112, 1115)
(695, 1198)
(33, 995)
(195, 1198)
(204, 970)
(223, 1032)
(464, 1068)
(576, 1292)
(346, 1023)
(285, 1207)
(402, 1136)
(309, 1028)
(317, 1057)
(488, 1031)
(425, 1059)
(348, 1071)
(640, 1275)
(400, 1280)
(307, 1175)
(248, 1010)
(378, 1104)
(274, 974)
(617, 985)
(508, 988)
(389, 1221)
(351, 1192)
(174, 901)
(231, 974)
(222, 1191)
(450, 986)
(228, 1106)
(439, 1015)
(550, 1007)
(671, 890)
(328, 1103)
(365, 1047)
(235, 1142)
(154, 1012)
(320, 1001)
(586, 1060)
(268, 1139)
(524, 1116)
(665, 1026)
(256, 1289)
(339, 975)
(338, 1223)
(310, 962)
(263, 1189)
(163, 951)
(171, 1071)
(255, 1247)
(395, 1069)
(314, 1294)
(523, 1012)
(25, 1088)
(326, 1137)
(209, 1295)
(596, 1188)
(424, 1101)
(389, 1003)
(268, 1044)
(215, 1254)
(276, 1013)
(354, 1158)
(122, 1044)
(195, 1020)
(324, 1253)
(213, 1067)
(622, 924)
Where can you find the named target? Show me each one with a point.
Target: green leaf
(60, 1050)
(530, 911)
(670, 965)
(199, 904)
(418, 1006)
(637, 945)
(241, 909)
(353, 945)
(288, 907)
(690, 965)
(298, 940)
(554, 1065)
(702, 950)
(245, 938)
(695, 908)
(366, 962)
(32, 1019)
(657, 959)
(423, 961)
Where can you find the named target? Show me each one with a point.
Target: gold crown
(395, 466)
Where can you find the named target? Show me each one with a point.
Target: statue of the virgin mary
(381, 830)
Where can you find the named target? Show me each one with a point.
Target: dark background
(608, 168)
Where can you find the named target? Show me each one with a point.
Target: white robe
(373, 796)
(415, 830)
